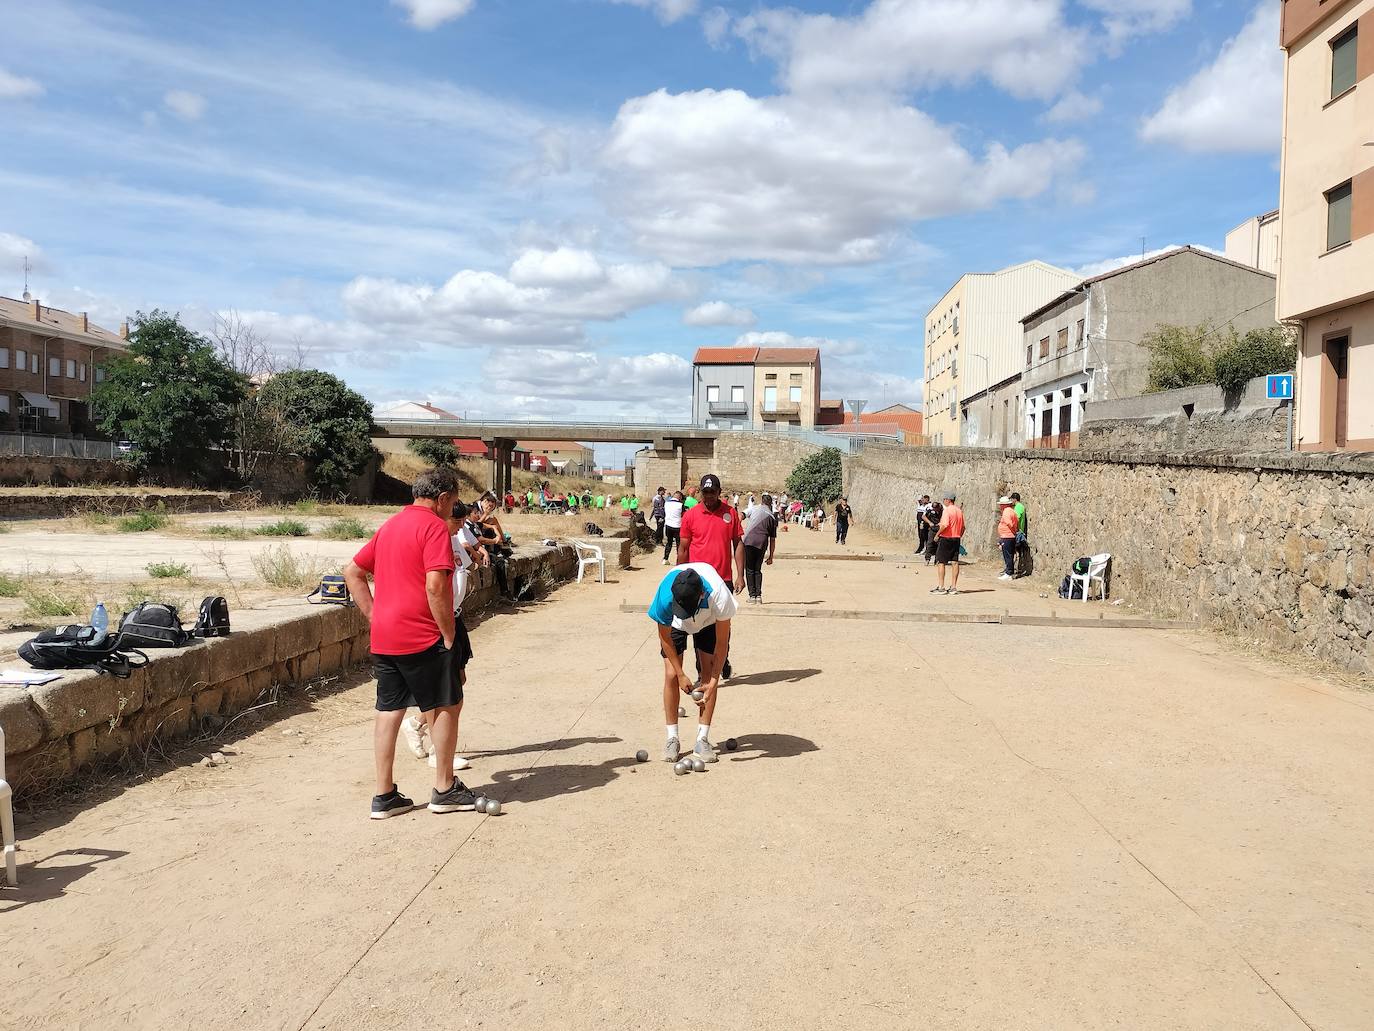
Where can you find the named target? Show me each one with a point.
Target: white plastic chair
(588, 555)
(1097, 570)
(7, 820)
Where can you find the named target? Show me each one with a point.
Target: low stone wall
(55, 730)
(40, 506)
(1191, 419)
(24, 470)
(1276, 547)
(744, 462)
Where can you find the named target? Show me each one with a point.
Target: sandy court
(925, 826)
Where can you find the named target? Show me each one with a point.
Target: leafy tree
(171, 393)
(434, 450)
(1258, 353)
(333, 424)
(817, 478)
(1181, 356)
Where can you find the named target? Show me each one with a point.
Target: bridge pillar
(499, 468)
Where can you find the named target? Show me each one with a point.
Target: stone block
(22, 725)
(95, 744)
(83, 699)
(175, 674)
(297, 636)
(174, 719)
(207, 702)
(333, 658)
(259, 680)
(307, 667)
(233, 656)
(47, 764)
(238, 695)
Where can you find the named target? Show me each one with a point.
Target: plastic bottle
(100, 622)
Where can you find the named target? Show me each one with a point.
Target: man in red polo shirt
(410, 559)
(712, 533)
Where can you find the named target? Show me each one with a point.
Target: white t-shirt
(719, 603)
(463, 574)
(672, 513)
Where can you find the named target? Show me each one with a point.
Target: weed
(168, 570)
(141, 522)
(280, 567)
(307, 506)
(345, 528)
(284, 528)
(10, 586)
(4, 527)
(134, 596)
(233, 533)
(96, 520)
(51, 601)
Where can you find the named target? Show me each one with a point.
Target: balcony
(728, 409)
(783, 410)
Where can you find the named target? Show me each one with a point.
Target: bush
(142, 522)
(280, 567)
(1258, 353)
(49, 601)
(817, 478)
(284, 528)
(333, 425)
(434, 450)
(1187, 356)
(168, 570)
(235, 533)
(307, 506)
(345, 528)
(10, 586)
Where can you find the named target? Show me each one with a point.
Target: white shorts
(460, 587)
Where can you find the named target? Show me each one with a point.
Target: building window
(71, 369)
(21, 359)
(4, 404)
(1343, 50)
(81, 372)
(770, 375)
(770, 399)
(99, 374)
(712, 395)
(796, 377)
(1079, 341)
(794, 395)
(1338, 216)
(1030, 348)
(54, 366)
(1044, 347)
(4, 357)
(737, 395)
(1063, 344)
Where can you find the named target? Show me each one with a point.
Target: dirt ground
(926, 825)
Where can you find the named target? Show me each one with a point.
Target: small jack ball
(698, 765)
(698, 695)
(731, 744)
(493, 807)
(680, 767)
(641, 756)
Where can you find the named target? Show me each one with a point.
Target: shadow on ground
(770, 746)
(48, 878)
(776, 676)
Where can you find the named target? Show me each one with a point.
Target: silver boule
(479, 803)
(698, 765)
(641, 756)
(698, 695)
(681, 766)
(493, 807)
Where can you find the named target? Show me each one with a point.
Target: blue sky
(542, 207)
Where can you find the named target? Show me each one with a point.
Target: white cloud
(18, 87)
(184, 104)
(1234, 104)
(1024, 47)
(711, 176)
(427, 15)
(666, 11)
(718, 313)
(14, 249)
(539, 378)
(1126, 18)
(1074, 107)
(563, 266)
(828, 346)
(1097, 268)
(715, 26)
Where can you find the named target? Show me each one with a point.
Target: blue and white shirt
(716, 604)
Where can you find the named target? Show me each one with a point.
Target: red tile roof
(725, 356)
(908, 422)
(788, 356)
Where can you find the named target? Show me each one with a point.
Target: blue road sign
(1279, 388)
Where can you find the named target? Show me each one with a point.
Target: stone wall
(743, 461)
(1190, 419)
(55, 730)
(41, 505)
(1275, 547)
(26, 470)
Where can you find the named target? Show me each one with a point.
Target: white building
(1255, 242)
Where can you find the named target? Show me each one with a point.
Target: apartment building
(1085, 344)
(49, 361)
(972, 349)
(565, 457)
(1255, 242)
(1326, 204)
(758, 387)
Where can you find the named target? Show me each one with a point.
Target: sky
(542, 207)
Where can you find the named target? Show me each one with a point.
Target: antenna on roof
(27, 296)
(1142, 248)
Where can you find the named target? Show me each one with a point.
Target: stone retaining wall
(57, 729)
(1190, 419)
(744, 462)
(1275, 547)
(70, 502)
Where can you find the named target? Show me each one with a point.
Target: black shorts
(427, 680)
(946, 550)
(703, 640)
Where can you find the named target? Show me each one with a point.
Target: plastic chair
(1097, 570)
(589, 555)
(7, 820)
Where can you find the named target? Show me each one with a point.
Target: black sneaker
(393, 803)
(457, 799)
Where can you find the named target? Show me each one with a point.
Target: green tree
(817, 478)
(1181, 356)
(334, 424)
(170, 394)
(1258, 353)
(434, 450)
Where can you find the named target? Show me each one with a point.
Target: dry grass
(280, 567)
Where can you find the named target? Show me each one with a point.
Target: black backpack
(592, 530)
(152, 624)
(213, 620)
(71, 647)
(1081, 565)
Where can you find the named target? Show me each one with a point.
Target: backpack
(213, 620)
(592, 530)
(1070, 588)
(71, 647)
(1081, 565)
(152, 624)
(331, 591)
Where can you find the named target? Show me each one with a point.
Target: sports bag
(592, 530)
(152, 624)
(331, 591)
(71, 647)
(213, 620)
(1082, 565)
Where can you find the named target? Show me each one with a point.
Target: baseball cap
(710, 480)
(687, 591)
(1004, 500)
(947, 496)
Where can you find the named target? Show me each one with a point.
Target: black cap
(688, 589)
(710, 480)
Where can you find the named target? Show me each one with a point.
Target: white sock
(702, 730)
(672, 731)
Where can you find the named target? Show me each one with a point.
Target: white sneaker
(1004, 576)
(416, 733)
(459, 763)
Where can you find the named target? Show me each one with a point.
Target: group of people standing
(940, 532)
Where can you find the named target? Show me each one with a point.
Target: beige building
(1255, 242)
(973, 349)
(787, 386)
(1326, 204)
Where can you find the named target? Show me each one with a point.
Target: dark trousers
(658, 529)
(920, 538)
(930, 544)
(1009, 555)
(671, 536)
(841, 532)
(753, 570)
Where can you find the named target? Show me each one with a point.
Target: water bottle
(100, 622)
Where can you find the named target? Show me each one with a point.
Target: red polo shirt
(710, 537)
(399, 556)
